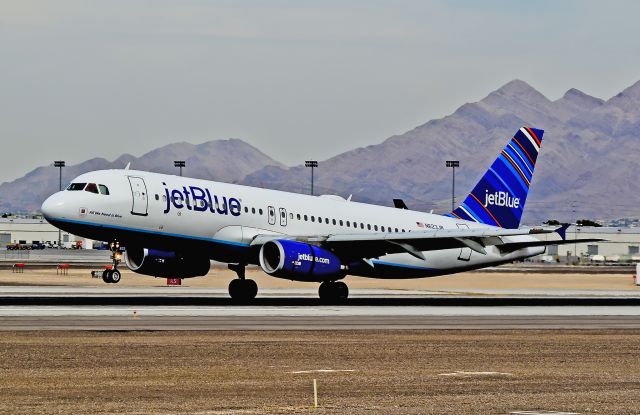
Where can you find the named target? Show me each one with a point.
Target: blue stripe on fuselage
(126, 228)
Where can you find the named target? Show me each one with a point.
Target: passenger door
(139, 194)
(283, 217)
(271, 212)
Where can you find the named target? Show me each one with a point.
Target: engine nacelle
(299, 261)
(165, 264)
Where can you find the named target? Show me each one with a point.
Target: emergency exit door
(140, 198)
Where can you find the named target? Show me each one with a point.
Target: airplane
(172, 226)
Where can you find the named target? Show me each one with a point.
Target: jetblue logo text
(308, 257)
(200, 200)
(501, 199)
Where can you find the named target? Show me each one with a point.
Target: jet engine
(299, 261)
(165, 264)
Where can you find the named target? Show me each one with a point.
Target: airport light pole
(59, 164)
(313, 164)
(180, 164)
(453, 164)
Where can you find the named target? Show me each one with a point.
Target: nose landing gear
(241, 289)
(113, 276)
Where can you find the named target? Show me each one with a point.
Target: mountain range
(586, 168)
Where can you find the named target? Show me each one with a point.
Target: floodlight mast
(59, 164)
(180, 164)
(453, 164)
(313, 164)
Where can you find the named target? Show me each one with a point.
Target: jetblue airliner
(171, 226)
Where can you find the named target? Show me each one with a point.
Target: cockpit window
(103, 189)
(76, 186)
(92, 187)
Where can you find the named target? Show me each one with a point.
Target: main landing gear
(242, 289)
(113, 276)
(333, 292)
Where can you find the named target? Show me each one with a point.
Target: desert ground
(359, 372)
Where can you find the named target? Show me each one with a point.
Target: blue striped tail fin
(499, 197)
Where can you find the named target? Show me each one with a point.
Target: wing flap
(514, 246)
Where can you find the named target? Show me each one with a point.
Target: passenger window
(341, 223)
(246, 209)
(313, 218)
(306, 218)
(105, 190)
(355, 224)
(298, 216)
(369, 226)
(361, 225)
(76, 186)
(375, 227)
(92, 188)
(157, 197)
(319, 219)
(396, 230)
(260, 211)
(253, 210)
(348, 223)
(290, 215)
(334, 221)
(326, 220)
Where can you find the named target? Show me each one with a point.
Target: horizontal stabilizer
(562, 230)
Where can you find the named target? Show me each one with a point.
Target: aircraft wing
(371, 245)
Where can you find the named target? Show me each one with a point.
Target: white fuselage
(222, 219)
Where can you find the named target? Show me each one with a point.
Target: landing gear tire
(333, 292)
(111, 276)
(243, 290)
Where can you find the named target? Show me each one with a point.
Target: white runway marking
(321, 371)
(315, 311)
(543, 413)
(471, 374)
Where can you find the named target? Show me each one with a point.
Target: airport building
(619, 245)
(18, 230)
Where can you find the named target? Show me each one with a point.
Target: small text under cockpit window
(76, 186)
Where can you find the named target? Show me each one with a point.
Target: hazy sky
(297, 79)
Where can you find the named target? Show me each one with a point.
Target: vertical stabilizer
(499, 197)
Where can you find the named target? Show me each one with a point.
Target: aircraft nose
(53, 206)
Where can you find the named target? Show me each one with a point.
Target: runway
(174, 308)
(146, 322)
